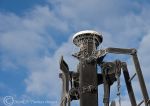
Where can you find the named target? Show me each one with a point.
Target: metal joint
(134, 51)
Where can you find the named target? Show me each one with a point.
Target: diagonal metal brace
(128, 84)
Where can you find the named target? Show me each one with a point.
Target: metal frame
(133, 53)
(83, 84)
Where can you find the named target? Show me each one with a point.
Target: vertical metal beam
(128, 84)
(106, 89)
(63, 97)
(88, 80)
(87, 41)
(65, 80)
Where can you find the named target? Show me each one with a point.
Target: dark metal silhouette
(83, 84)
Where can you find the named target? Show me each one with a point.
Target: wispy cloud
(30, 40)
(25, 41)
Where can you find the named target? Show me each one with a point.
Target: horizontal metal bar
(103, 52)
(121, 51)
(132, 77)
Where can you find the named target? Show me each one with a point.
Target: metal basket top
(87, 35)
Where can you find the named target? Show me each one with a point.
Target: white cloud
(44, 78)
(41, 18)
(118, 18)
(27, 40)
(144, 50)
(26, 37)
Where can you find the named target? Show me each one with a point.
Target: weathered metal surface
(133, 53)
(83, 84)
(88, 84)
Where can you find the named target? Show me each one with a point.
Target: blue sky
(35, 33)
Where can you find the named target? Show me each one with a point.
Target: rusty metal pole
(87, 41)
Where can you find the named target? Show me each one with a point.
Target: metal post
(106, 89)
(87, 41)
(87, 79)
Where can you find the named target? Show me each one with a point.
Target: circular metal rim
(92, 32)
